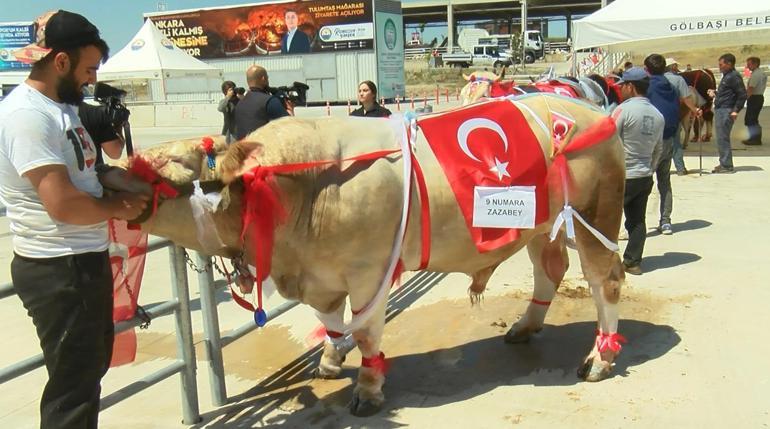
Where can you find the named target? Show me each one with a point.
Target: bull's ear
(237, 157)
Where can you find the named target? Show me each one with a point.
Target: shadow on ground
(668, 260)
(435, 378)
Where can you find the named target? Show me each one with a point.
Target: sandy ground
(695, 321)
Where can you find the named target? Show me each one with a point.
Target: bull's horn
(466, 77)
(502, 74)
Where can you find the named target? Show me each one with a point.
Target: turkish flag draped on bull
(488, 144)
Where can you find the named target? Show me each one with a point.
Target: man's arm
(750, 85)
(114, 148)
(66, 203)
(223, 104)
(740, 94)
(275, 108)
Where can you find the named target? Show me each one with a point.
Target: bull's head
(179, 164)
(478, 86)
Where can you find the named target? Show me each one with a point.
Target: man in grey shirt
(730, 97)
(755, 90)
(640, 126)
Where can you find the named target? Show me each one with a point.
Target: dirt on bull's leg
(479, 284)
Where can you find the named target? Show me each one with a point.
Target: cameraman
(259, 106)
(97, 121)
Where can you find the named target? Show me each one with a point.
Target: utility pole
(523, 32)
(450, 27)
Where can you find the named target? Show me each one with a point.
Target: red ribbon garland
(144, 171)
(377, 363)
(612, 342)
(262, 207)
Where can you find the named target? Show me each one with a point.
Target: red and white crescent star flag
(562, 126)
(556, 87)
(128, 248)
(488, 144)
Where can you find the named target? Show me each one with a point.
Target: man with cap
(58, 216)
(640, 126)
(685, 99)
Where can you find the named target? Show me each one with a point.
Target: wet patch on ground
(438, 353)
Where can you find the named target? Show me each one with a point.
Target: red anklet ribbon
(612, 342)
(334, 334)
(378, 363)
(538, 302)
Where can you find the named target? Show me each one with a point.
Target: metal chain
(195, 267)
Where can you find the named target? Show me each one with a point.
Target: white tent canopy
(672, 25)
(150, 55)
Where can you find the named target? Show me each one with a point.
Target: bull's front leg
(549, 262)
(335, 347)
(367, 395)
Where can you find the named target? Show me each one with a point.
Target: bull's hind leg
(334, 353)
(549, 263)
(603, 270)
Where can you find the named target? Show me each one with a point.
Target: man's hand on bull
(128, 205)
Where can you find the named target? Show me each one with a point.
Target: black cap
(66, 30)
(60, 30)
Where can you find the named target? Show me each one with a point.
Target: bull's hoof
(515, 335)
(593, 370)
(327, 371)
(360, 407)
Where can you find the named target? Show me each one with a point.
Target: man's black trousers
(70, 301)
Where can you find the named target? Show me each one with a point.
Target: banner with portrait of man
(270, 29)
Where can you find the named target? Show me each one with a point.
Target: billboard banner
(14, 36)
(270, 29)
(390, 55)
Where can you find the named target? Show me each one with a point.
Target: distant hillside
(709, 57)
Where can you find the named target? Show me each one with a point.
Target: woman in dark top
(367, 96)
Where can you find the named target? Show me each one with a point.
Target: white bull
(342, 219)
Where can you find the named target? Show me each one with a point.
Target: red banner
(488, 144)
(128, 249)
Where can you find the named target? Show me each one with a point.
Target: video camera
(112, 100)
(297, 93)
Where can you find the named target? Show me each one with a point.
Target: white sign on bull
(508, 207)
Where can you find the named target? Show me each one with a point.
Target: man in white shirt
(58, 216)
(755, 90)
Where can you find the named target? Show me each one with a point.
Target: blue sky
(117, 20)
